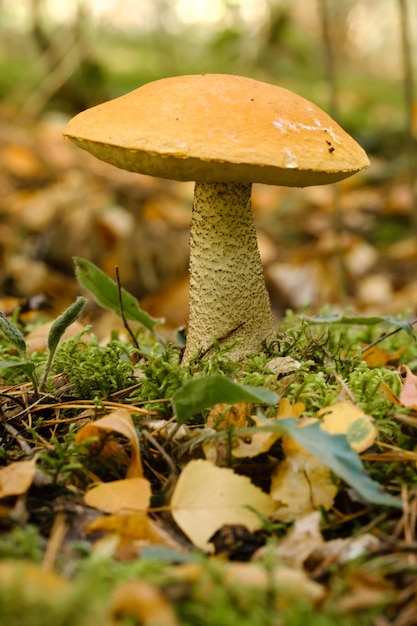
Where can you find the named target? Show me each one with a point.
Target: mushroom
(223, 132)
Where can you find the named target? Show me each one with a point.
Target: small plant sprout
(16, 338)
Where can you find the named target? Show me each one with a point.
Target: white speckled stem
(228, 296)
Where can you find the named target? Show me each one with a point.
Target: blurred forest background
(349, 245)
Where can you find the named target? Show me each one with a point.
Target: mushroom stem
(228, 295)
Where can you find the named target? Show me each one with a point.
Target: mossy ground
(87, 379)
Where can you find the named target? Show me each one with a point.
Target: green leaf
(336, 453)
(62, 322)
(26, 365)
(202, 393)
(361, 320)
(13, 334)
(161, 554)
(106, 293)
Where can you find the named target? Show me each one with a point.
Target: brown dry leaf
(366, 590)
(344, 418)
(144, 602)
(37, 338)
(119, 421)
(131, 494)
(223, 415)
(392, 397)
(16, 478)
(301, 483)
(301, 541)
(408, 395)
(206, 497)
(304, 541)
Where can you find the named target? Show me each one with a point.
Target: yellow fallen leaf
(288, 409)
(375, 356)
(119, 421)
(16, 478)
(301, 483)
(131, 494)
(251, 445)
(134, 527)
(206, 497)
(144, 602)
(343, 418)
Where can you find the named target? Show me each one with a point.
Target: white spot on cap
(290, 160)
(297, 127)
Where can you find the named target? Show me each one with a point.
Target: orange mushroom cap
(218, 128)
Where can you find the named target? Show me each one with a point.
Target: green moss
(94, 370)
(22, 543)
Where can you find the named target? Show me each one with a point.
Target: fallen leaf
(343, 418)
(144, 602)
(301, 541)
(305, 542)
(336, 452)
(282, 365)
(376, 357)
(16, 478)
(301, 483)
(134, 527)
(291, 582)
(131, 494)
(286, 409)
(206, 497)
(391, 396)
(223, 415)
(365, 590)
(250, 445)
(408, 395)
(119, 421)
(37, 339)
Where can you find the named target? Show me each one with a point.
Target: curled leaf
(119, 421)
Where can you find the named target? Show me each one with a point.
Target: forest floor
(102, 510)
